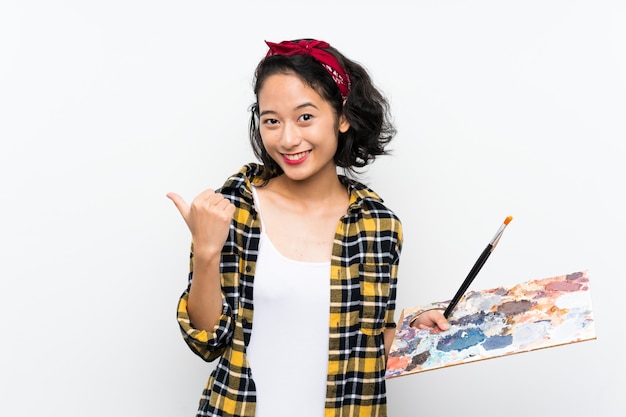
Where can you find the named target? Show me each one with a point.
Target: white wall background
(503, 108)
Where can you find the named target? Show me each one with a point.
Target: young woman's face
(298, 127)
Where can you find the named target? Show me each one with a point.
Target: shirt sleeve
(390, 322)
(208, 346)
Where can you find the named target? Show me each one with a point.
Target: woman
(294, 265)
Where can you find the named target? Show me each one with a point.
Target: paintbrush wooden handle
(468, 280)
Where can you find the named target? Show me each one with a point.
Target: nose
(290, 137)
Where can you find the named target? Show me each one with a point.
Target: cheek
(330, 131)
(269, 138)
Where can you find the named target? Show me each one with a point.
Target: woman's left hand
(431, 318)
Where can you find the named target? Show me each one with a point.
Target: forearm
(388, 336)
(205, 294)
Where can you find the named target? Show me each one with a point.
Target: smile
(295, 158)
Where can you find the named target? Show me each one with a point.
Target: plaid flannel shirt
(364, 267)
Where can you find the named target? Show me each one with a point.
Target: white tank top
(288, 350)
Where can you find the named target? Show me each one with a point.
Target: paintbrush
(477, 266)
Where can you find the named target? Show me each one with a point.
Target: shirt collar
(253, 172)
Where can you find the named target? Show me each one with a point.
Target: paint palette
(497, 322)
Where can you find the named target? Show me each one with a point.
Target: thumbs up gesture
(208, 218)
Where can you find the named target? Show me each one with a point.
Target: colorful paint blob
(501, 321)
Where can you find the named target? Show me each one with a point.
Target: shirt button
(248, 268)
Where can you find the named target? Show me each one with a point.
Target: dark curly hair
(365, 108)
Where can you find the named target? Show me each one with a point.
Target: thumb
(442, 323)
(180, 204)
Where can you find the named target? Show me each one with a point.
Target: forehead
(286, 88)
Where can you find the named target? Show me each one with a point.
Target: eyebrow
(299, 107)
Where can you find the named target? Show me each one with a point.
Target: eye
(270, 121)
(306, 117)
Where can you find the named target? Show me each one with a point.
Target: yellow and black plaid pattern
(364, 268)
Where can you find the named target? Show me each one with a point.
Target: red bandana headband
(316, 49)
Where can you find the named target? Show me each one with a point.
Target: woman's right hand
(208, 218)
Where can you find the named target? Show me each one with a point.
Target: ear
(344, 124)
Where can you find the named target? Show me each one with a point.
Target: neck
(310, 191)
